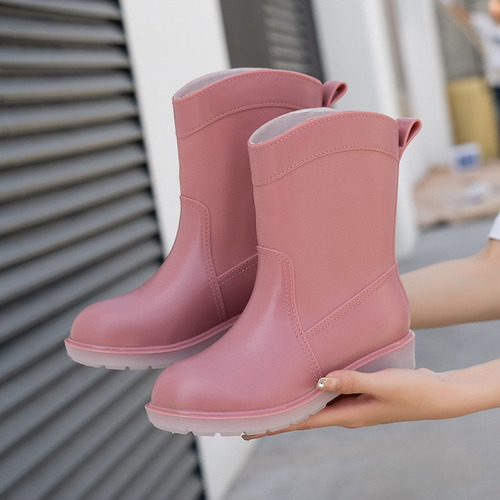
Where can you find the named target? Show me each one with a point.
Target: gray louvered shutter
(77, 224)
(273, 34)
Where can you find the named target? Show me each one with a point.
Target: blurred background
(89, 208)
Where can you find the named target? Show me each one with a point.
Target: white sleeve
(495, 230)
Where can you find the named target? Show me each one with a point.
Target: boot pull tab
(408, 129)
(332, 92)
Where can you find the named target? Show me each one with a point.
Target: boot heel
(400, 356)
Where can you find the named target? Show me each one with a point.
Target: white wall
(354, 46)
(425, 81)
(172, 43)
(425, 92)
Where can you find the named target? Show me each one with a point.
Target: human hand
(390, 395)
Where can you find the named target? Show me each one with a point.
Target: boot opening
(284, 123)
(203, 81)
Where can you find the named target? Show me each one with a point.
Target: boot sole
(142, 358)
(400, 354)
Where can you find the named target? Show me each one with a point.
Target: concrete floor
(456, 459)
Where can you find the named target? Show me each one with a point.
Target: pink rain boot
(208, 277)
(327, 294)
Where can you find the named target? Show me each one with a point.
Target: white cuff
(495, 230)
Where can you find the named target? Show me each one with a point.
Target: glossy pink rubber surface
(206, 280)
(327, 294)
(399, 355)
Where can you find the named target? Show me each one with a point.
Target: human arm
(456, 291)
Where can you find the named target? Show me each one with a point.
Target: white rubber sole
(137, 358)
(400, 354)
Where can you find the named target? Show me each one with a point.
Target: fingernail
(328, 383)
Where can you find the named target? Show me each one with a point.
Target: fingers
(301, 426)
(350, 412)
(310, 422)
(349, 382)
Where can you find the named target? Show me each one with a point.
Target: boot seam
(283, 104)
(352, 303)
(258, 74)
(207, 257)
(291, 309)
(236, 271)
(357, 147)
(259, 227)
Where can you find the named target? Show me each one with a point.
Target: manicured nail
(328, 383)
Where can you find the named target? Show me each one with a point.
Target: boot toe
(181, 387)
(99, 324)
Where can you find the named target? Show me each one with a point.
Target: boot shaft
(214, 117)
(325, 194)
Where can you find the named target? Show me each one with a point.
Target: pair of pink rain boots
(286, 238)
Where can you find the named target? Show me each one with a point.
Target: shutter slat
(37, 30)
(286, 14)
(51, 206)
(285, 40)
(46, 429)
(125, 441)
(141, 485)
(100, 9)
(43, 407)
(283, 28)
(22, 182)
(38, 273)
(19, 90)
(22, 120)
(289, 65)
(41, 306)
(35, 378)
(90, 443)
(284, 55)
(175, 483)
(283, 5)
(40, 58)
(115, 480)
(50, 237)
(19, 151)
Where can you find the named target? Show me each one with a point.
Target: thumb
(346, 382)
